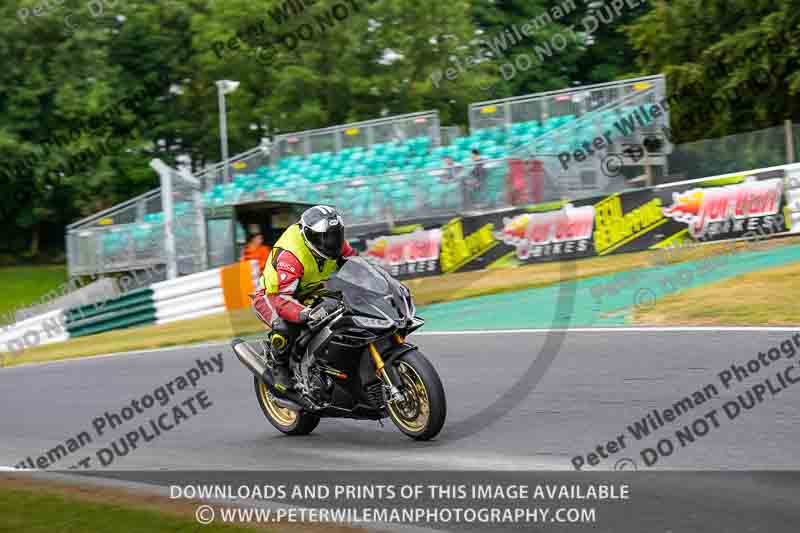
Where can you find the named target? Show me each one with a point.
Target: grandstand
(390, 169)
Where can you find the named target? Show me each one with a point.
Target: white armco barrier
(193, 314)
(189, 297)
(185, 306)
(193, 296)
(174, 288)
(36, 331)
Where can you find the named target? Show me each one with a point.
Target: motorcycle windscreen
(364, 287)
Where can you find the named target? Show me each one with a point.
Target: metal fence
(460, 188)
(118, 240)
(336, 138)
(578, 158)
(105, 241)
(756, 149)
(244, 163)
(132, 236)
(543, 106)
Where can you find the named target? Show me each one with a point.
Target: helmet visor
(327, 242)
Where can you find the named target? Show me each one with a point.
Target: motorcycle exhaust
(250, 358)
(287, 404)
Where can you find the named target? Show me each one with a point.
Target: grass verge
(24, 285)
(36, 506)
(767, 298)
(426, 291)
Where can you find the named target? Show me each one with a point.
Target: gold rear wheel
(285, 420)
(285, 417)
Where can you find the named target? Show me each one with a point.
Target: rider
(301, 260)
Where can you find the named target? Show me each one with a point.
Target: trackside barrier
(205, 293)
(189, 297)
(43, 329)
(749, 204)
(755, 204)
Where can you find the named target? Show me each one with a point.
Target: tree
(732, 65)
(570, 42)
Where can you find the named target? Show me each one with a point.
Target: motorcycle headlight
(374, 323)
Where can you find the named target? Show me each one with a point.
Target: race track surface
(599, 383)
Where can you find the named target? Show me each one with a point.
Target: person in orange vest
(255, 249)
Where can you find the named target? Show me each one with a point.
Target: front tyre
(422, 412)
(285, 420)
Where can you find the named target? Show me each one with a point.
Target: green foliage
(24, 286)
(40, 510)
(596, 50)
(733, 65)
(74, 137)
(375, 61)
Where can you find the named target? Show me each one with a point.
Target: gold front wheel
(422, 411)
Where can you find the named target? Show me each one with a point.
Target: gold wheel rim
(283, 416)
(414, 413)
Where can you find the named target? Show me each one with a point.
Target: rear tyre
(285, 420)
(422, 413)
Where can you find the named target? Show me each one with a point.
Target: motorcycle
(353, 363)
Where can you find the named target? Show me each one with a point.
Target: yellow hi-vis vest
(292, 241)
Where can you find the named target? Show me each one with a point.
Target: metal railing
(755, 149)
(131, 235)
(358, 134)
(486, 184)
(243, 163)
(581, 168)
(542, 106)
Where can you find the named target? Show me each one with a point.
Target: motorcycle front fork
(380, 370)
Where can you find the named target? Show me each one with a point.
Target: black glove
(319, 311)
(305, 315)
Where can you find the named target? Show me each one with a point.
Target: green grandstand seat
(499, 135)
(439, 151)
(377, 169)
(421, 145)
(464, 143)
(519, 128)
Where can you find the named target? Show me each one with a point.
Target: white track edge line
(644, 329)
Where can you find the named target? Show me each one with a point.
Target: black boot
(280, 355)
(280, 375)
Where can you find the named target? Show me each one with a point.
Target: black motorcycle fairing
(367, 306)
(370, 291)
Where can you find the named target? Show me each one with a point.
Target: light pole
(224, 87)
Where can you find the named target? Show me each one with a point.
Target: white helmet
(323, 231)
